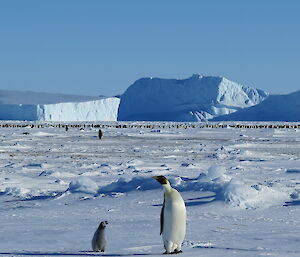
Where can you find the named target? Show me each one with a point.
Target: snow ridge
(234, 192)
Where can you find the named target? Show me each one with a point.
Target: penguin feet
(175, 252)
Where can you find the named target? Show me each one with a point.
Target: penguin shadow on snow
(291, 203)
(255, 251)
(200, 200)
(231, 249)
(80, 253)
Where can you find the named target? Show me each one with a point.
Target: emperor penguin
(99, 241)
(172, 217)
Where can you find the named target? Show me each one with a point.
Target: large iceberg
(17, 105)
(198, 98)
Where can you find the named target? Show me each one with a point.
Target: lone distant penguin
(100, 134)
(99, 241)
(172, 218)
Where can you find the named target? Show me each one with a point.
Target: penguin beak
(161, 179)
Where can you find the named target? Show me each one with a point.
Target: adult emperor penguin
(172, 217)
(99, 241)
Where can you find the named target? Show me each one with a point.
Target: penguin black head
(103, 224)
(161, 179)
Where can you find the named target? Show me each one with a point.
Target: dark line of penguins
(154, 126)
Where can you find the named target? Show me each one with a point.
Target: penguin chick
(99, 241)
(172, 218)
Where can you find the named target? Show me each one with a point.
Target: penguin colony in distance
(99, 241)
(172, 217)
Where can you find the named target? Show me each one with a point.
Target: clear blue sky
(93, 47)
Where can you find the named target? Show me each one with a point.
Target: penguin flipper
(162, 218)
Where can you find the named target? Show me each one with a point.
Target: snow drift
(33, 106)
(83, 185)
(275, 108)
(236, 193)
(197, 98)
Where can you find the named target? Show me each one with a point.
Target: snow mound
(239, 194)
(16, 192)
(43, 134)
(197, 98)
(216, 172)
(83, 185)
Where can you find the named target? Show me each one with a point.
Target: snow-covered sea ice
(241, 192)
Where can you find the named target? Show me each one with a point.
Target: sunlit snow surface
(241, 188)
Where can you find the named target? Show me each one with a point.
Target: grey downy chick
(99, 241)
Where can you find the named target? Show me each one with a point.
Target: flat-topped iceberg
(17, 105)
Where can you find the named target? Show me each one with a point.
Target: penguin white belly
(174, 223)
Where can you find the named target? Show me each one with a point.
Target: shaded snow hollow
(197, 98)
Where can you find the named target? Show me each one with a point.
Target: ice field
(241, 187)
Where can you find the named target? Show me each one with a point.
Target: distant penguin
(100, 134)
(172, 217)
(99, 241)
